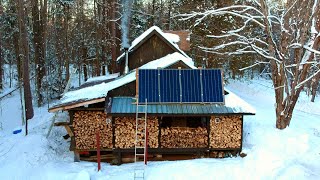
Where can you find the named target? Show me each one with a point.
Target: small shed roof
(233, 105)
(170, 40)
(97, 93)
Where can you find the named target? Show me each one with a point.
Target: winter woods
(55, 38)
(286, 37)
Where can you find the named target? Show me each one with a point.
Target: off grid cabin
(187, 110)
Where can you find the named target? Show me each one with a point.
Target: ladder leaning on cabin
(141, 136)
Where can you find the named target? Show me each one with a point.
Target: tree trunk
(97, 15)
(282, 122)
(113, 38)
(37, 49)
(22, 14)
(85, 72)
(66, 26)
(43, 37)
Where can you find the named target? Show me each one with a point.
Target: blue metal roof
(126, 105)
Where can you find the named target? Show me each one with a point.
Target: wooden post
(137, 85)
(159, 134)
(241, 132)
(76, 156)
(113, 132)
(146, 150)
(208, 130)
(98, 150)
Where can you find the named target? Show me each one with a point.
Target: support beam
(76, 156)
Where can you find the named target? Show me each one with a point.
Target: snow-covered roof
(103, 78)
(237, 104)
(101, 90)
(171, 39)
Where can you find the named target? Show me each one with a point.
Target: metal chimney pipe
(126, 68)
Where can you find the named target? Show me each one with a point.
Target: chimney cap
(126, 46)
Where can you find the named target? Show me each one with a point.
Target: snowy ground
(293, 153)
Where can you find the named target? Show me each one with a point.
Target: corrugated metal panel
(125, 105)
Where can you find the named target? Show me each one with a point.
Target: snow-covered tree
(288, 39)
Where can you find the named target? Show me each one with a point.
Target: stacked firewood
(86, 124)
(184, 137)
(225, 132)
(125, 132)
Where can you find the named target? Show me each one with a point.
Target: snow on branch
(253, 65)
(306, 80)
(236, 10)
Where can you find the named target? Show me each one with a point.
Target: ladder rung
(141, 118)
(139, 169)
(137, 177)
(139, 154)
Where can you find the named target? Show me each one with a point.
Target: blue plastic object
(17, 131)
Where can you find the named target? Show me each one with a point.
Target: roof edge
(74, 105)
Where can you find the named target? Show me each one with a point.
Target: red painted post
(98, 150)
(146, 151)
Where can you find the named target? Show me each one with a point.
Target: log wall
(225, 132)
(125, 129)
(184, 137)
(86, 124)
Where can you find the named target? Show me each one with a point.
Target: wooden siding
(125, 90)
(152, 49)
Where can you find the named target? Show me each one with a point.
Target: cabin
(207, 123)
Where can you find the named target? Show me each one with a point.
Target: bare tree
(24, 51)
(288, 41)
(39, 28)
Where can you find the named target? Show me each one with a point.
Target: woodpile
(225, 132)
(183, 137)
(86, 124)
(125, 132)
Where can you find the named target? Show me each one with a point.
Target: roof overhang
(75, 104)
(124, 106)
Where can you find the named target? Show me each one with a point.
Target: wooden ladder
(141, 136)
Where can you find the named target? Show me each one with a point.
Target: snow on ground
(293, 153)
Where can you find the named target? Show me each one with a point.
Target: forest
(44, 42)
